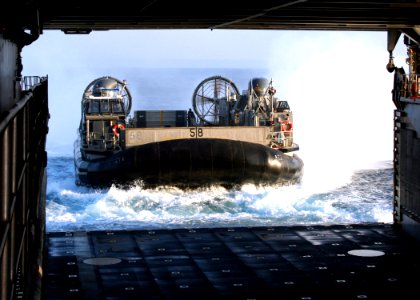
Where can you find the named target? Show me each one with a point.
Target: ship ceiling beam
(85, 16)
(259, 14)
(262, 14)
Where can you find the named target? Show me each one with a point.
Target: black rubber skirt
(191, 163)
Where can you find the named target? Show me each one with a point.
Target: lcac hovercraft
(230, 139)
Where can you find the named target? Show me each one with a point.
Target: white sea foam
(217, 207)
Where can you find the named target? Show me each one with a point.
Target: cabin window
(105, 106)
(93, 107)
(117, 107)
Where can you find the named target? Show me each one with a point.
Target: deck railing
(281, 139)
(23, 159)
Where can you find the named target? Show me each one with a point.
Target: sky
(335, 81)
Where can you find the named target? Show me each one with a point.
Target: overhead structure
(26, 19)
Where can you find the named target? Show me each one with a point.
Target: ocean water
(366, 198)
(348, 175)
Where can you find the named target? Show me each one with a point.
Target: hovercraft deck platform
(299, 262)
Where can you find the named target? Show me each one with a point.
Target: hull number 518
(196, 132)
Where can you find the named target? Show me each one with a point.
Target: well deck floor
(298, 262)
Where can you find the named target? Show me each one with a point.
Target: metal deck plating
(234, 263)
